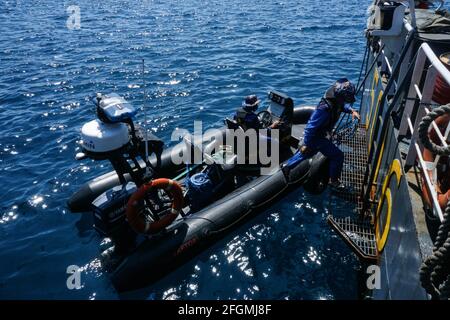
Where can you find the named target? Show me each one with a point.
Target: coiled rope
(346, 130)
(435, 270)
(423, 130)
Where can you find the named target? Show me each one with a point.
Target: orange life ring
(134, 205)
(443, 198)
(428, 156)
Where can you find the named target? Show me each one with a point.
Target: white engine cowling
(104, 137)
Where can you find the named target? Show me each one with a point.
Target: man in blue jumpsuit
(336, 100)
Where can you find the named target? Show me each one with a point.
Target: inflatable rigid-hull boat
(159, 212)
(81, 200)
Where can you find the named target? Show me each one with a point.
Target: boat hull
(155, 257)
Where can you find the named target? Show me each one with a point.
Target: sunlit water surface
(202, 57)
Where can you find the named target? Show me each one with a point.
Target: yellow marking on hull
(377, 168)
(374, 119)
(386, 195)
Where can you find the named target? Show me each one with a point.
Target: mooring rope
(435, 270)
(346, 130)
(423, 130)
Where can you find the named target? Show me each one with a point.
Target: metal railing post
(412, 12)
(409, 106)
(427, 93)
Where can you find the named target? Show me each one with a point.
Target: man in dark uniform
(337, 99)
(246, 116)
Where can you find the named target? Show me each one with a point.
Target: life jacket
(240, 116)
(246, 119)
(333, 110)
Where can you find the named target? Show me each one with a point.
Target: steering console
(265, 118)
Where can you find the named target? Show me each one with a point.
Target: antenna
(145, 113)
(441, 5)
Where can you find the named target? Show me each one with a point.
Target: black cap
(251, 101)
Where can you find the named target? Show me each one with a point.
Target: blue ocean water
(202, 58)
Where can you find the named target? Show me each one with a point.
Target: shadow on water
(84, 224)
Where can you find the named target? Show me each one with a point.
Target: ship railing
(380, 122)
(388, 68)
(393, 53)
(426, 62)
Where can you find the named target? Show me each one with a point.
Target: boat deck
(415, 194)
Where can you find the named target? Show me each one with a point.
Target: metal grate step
(357, 231)
(358, 234)
(354, 147)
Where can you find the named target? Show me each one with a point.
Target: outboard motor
(109, 216)
(114, 137)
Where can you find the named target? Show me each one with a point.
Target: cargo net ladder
(357, 229)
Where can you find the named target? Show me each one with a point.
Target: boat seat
(232, 124)
(297, 131)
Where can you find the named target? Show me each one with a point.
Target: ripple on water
(200, 62)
